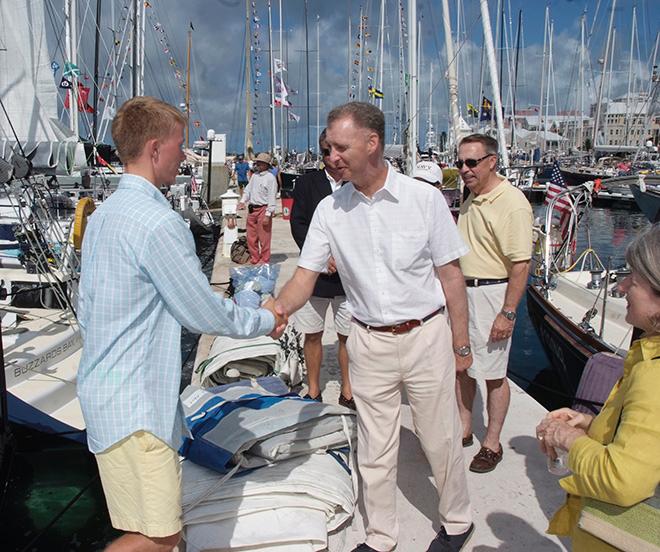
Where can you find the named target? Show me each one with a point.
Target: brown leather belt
(476, 282)
(403, 327)
(253, 207)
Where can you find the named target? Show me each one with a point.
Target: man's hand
(332, 265)
(265, 223)
(502, 328)
(281, 318)
(463, 362)
(240, 206)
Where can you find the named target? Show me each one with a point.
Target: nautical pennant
(54, 66)
(65, 83)
(71, 69)
(472, 110)
(373, 91)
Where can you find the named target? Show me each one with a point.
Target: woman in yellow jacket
(615, 456)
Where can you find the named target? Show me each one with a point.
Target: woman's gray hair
(643, 256)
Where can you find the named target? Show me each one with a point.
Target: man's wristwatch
(509, 315)
(463, 351)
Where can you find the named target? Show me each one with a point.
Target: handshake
(281, 317)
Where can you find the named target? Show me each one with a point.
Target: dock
(511, 505)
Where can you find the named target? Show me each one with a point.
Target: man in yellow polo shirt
(496, 222)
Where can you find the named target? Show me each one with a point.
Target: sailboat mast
(273, 136)
(515, 82)
(307, 77)
(72, 55)
(361, 59)
(348, 62)
(452, 79)
(135, 48)
(188, 87)
(412, 68)
(380, 54)
(602, 77)
(247, 147)
(282, 112)
(580, 144)
(318, 80)
(609, 83)
(630, 64)
(545, 38)
(492, 66)
(97, 84)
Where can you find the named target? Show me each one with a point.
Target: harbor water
(54, 499)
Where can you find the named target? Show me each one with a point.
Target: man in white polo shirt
(396, 249)
(496, 222)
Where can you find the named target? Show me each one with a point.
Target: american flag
(563, 207)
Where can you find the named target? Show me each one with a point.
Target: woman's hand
(556, 433)
(572, 417)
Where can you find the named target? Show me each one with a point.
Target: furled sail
(27, 87)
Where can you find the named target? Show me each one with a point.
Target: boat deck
(511, 505)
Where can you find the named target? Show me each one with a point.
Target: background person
(429, 172)
(615, 456)
(259, 197)
(397, 248)
(241, 169)
(328, 292)
(496, 222)
(140, 282)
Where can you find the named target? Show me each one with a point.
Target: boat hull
(648, 201)
(567, 346)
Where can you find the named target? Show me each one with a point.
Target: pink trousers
(258, 237)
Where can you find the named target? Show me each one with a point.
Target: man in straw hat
(259, 197)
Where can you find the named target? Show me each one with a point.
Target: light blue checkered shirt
(140, 282)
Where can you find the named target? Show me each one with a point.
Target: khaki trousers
(381, 365)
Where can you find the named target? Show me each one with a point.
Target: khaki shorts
(141, 478)
(490, 359)
(311, 317)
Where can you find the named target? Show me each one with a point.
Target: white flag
(278, 65)
(281, 93)
(292, 116)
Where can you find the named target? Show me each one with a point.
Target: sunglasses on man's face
(470, 163)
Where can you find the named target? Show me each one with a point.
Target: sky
(218, 57)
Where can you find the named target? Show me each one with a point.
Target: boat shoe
(318, 398)
(364, 547)
(450, 543)
(468, 441)
(486, 460)
(347, 403)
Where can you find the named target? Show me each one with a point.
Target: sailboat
(573, 302)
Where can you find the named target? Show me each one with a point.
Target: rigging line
(570, 79)
(58, 47)
(11, 125)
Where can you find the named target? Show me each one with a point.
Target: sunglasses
(470, 163)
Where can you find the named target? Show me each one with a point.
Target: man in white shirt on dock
(396, 249)
(496, 222)
(260, 198)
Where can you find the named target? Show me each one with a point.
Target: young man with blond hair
(140, 282)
